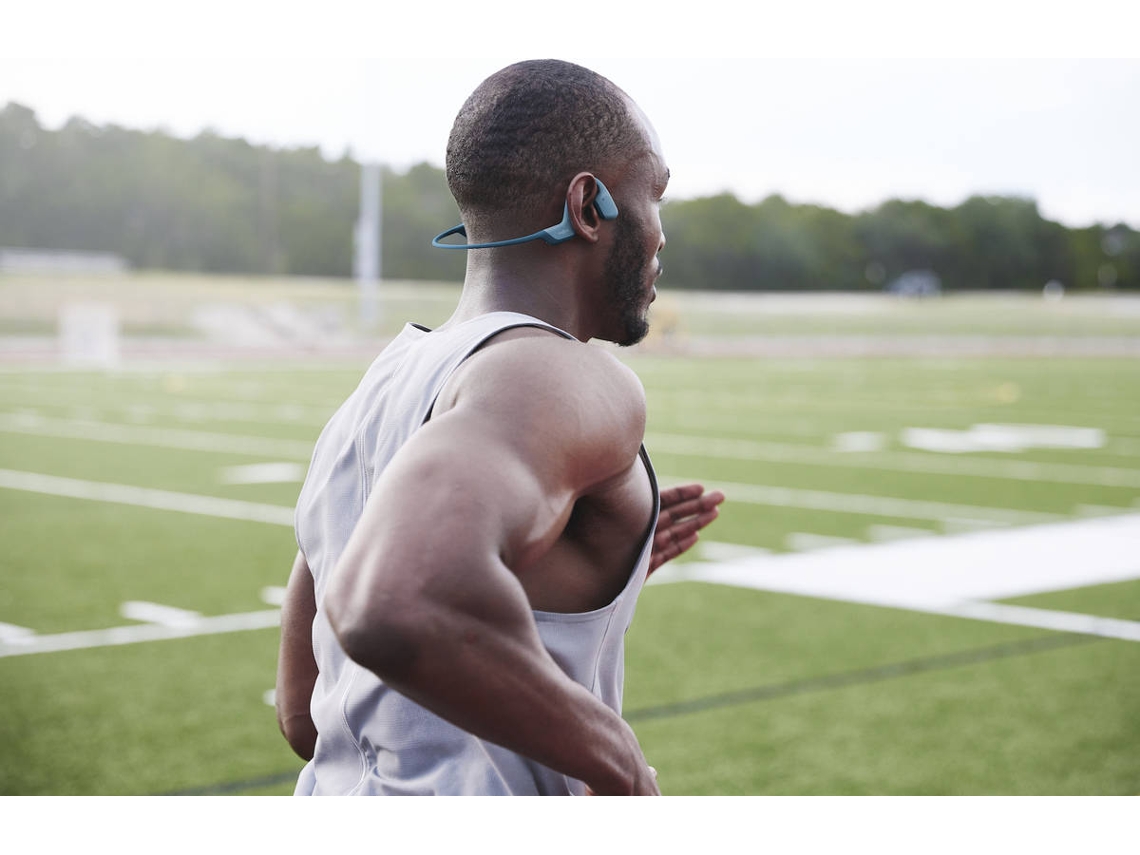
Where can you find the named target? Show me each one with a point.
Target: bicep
(478, 496)
(437, 549)
(461, 488)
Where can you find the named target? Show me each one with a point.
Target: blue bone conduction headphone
(604, 203)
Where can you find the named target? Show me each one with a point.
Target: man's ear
(580, 198)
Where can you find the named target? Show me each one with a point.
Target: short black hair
(531, 127)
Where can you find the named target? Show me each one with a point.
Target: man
(479, 516)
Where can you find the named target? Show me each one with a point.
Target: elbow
(373, 632)
(300, 732)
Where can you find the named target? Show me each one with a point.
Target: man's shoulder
(535, 361)
(560, 388)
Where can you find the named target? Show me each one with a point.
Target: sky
(869, 108)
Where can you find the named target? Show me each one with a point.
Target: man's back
(581, 583)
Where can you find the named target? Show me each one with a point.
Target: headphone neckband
(564, 231)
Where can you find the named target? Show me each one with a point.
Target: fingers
(676, 494)
(666, 548)
(680, 502)
(680, 498)
(692, 509)
(684, 524)
(685, 510)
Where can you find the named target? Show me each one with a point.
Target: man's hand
(685, 511)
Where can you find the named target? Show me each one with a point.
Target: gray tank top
(372, 740)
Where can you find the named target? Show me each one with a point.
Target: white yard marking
(1128, 447)
(10, 633)
(964, 526)
(712, 550)
(1098, 510)
(949, 576)
(273, 596)
(124, 494)
(858, 441)
(899, 461)
(1001, 437)
(263, 473)
(192, 440)
(1128, 630)
(156, 613)
(885, 533)
(140, 633)
(805, 541)
(678, 444)
(856, 503)
(955, 575)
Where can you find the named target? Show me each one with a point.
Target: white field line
(898, 575)
(713, 550)
(273, 595)
(904, 461)
(11, 632)
(144, 497)
(803, 541)
(192, 440)
(263, 473)
(957, 576)
(1128, 630)
(855, 503)
(677, 444)
(884, 533)
(155, 613)
(1124, 446)
(704, 419)
(160, 623)
(136, 634)
(851, 503)
(185, 411)
(241, 400)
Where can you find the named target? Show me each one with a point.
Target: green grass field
(131, 485)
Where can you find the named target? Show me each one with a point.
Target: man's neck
(541, 290)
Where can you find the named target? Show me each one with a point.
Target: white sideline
(943, 575)
(1127, 630)
(143, 632)
(903, 461)
(951, 515)
(193, 440)
(953, 575)
(161, 622)
(263, 473)
(123, 494)
(155, 613)
(660, 443)
(11, 632)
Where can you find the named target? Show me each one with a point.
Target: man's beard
(625, 278)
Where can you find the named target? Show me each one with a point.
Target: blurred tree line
(215, 204)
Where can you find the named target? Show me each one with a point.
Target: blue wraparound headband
(603, 202)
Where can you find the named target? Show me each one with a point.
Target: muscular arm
(296, 667)
(427, 594)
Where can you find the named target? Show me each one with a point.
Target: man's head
(539, 135)
(527, 130)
